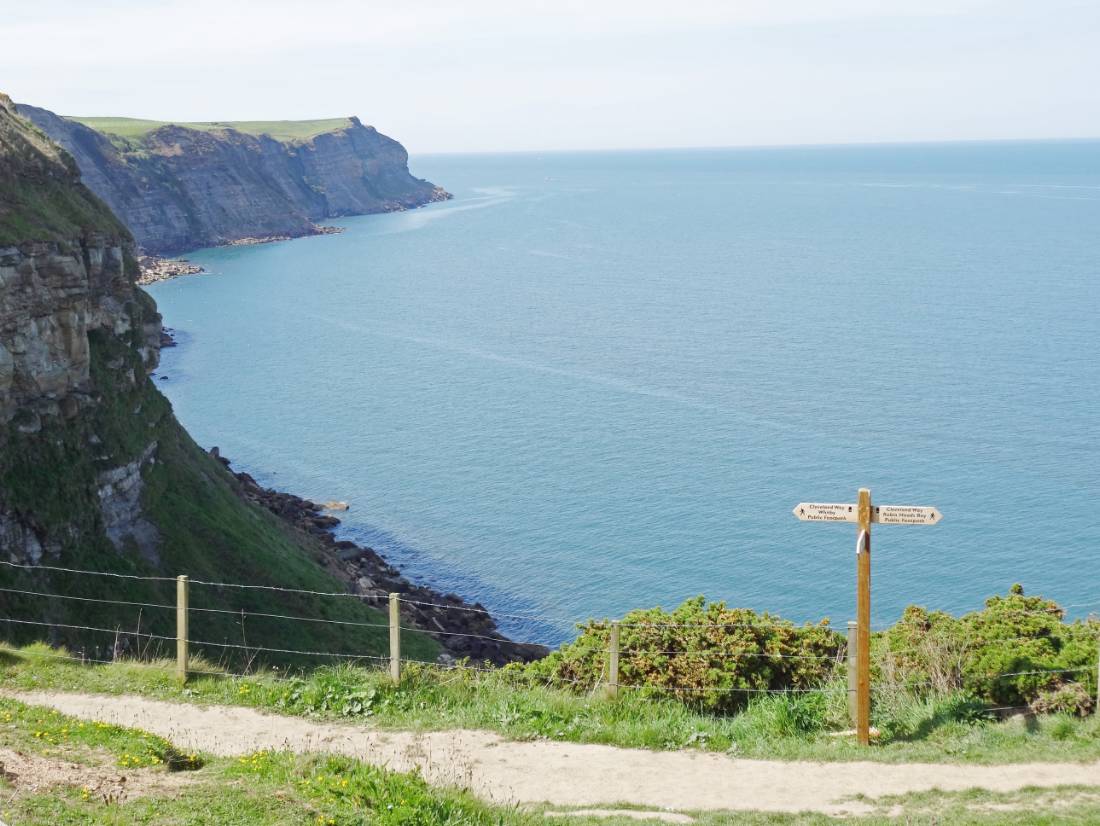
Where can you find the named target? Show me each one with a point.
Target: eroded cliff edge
(180, 188)
(97, 474)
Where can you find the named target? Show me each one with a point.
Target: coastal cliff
(179, 187)
(76, 336)
(97, 474)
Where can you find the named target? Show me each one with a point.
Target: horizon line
(622, 149)
(758, 146)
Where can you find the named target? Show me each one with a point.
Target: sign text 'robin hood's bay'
(905, 515)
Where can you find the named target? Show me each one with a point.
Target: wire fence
(611, 672)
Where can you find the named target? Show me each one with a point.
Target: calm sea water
(600, 381)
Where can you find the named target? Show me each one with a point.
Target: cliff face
(67, 299)
(179, 188)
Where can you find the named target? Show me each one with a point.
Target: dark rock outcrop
(179, 188)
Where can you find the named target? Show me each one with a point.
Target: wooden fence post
(613, 661)
(181, 629)
(852, 625)
(395, 638)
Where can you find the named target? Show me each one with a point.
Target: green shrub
(1012, 652)
(707, 655)
(929, 669)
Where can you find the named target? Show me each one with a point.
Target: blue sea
(600, 381)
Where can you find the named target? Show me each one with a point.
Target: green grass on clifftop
(283, 130)
(435, 698)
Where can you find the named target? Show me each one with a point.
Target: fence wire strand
(965, 649)
(86, 573)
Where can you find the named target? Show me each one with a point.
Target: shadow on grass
(959, 710)
(176, 761)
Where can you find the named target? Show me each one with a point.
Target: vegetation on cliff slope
(41, 198)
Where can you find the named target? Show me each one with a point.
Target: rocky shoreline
(153, 268)
(268, 239)
(464, 630)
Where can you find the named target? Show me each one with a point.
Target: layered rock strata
(179, 188)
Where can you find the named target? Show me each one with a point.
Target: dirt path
(563, 774)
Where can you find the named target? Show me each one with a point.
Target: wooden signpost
(863, 514)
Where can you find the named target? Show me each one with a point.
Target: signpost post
(863, 514)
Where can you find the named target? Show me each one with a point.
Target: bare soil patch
(32, 773)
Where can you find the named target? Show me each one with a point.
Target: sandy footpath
(562, 774)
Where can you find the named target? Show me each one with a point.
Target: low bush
(707, 655)
(1016, 651)
(930, 667)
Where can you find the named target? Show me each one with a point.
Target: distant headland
(182, 186)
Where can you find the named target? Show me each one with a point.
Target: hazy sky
(508, 74)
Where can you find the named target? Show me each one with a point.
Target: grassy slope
(40, 197)
(278, 129)
(431, 698)
(279, 788)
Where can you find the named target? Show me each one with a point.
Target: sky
(517, 75)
